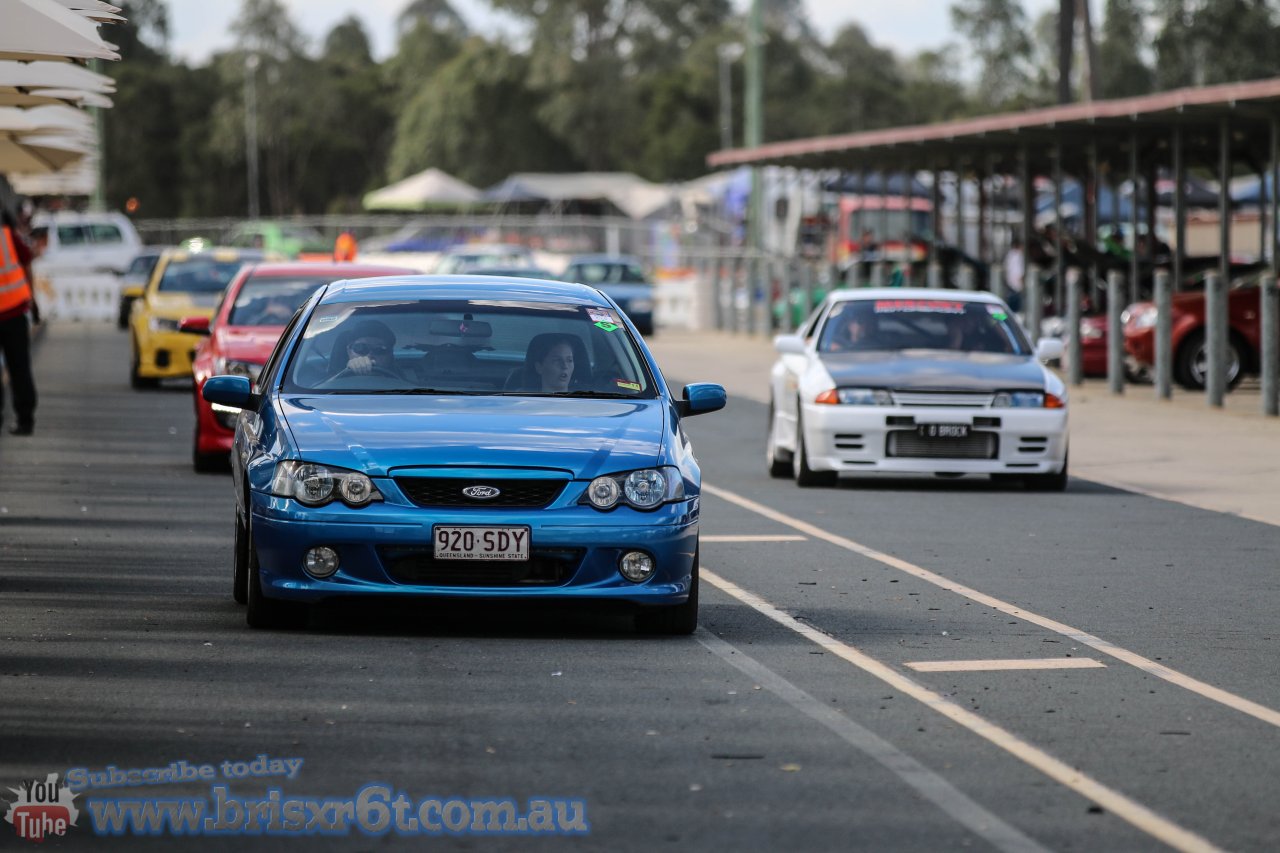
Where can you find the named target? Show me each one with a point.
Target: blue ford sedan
(449, 436)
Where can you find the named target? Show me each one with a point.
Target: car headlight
(640, 306)
(316, 485)
(1027, 400)
(162, 324)
(855, 397)
(647, 488)
(1139, 316)
(234, 367)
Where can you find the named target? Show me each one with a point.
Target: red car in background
(254, 310)
(1190, 353)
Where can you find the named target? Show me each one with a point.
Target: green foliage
(997, 34)
(1121, 71)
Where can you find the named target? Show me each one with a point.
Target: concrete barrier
(77, 295)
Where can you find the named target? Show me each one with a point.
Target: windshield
(942, 324)
(607, 273)
(198, 275)
(272, 300)
(478, 346)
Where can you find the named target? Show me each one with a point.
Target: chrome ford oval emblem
(482, 493)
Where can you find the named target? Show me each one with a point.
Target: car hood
(380, 433)
(247, 343)
(183, 304)
(935, 370)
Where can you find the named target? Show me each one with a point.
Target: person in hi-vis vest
(15, 332)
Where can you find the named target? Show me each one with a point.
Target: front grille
(545, 567)
(447, 491)
(943, 399)
(907, 444)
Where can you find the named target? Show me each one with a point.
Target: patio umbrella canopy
(35, 156)
(419, 191)
(43, 29)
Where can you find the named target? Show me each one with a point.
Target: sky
(199, 28)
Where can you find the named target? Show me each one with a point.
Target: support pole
(1059, 262)
(1164, 337)
(1134, 269)
(1270, 347)
(907, 236)
(1179, 206)
(1091, 220)
(935, 215)
(1033, 309)
(1215, 328)
(1224, 199)
(1115, 340)
(1073, 327)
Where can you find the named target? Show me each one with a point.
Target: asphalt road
(793, 720)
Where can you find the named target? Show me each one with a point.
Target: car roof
(218, 253)
(486, 248)
(337, 271)
(72, 217)
(495, 288)
(911, 293)
(602, 258)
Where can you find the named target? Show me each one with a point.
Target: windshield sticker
(938, 306)
(601, 315)
(328, 318)
(608, 327)
(630, 386)
(999, 316)
(997, 312)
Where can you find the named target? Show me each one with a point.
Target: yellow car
(184, 283)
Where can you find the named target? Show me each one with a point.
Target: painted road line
(754, 538)
(926, 783)
(994, 665)
(1217, 694)
(1131, 811)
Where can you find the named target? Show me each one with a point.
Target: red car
(1190, 355)
(254, 310)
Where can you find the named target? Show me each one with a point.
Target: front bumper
(861, 439)
(166, 355)
(372, 541)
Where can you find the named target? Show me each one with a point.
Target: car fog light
(636, 566)
(604, 492)
(321, 562)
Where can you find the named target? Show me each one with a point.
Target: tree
(1121, 70)
(1175, 46)
(997, 34)
(866, 89)
(476, 118)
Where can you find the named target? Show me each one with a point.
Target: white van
(90, 242)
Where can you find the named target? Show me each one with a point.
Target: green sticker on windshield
(999, 315)
(608, 327)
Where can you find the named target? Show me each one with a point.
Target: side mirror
(1048, 349)
(194, 325)
(233, 391)
(132, 292)
(700, 398)
(789, 344)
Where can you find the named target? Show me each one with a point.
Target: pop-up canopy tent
(420, 191)
(631, 194)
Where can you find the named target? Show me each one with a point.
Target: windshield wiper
(605, 395)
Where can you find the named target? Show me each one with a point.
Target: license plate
(480, 543)
(942, 430)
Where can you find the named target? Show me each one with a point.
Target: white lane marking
(993, 665)
(926, 783)
(1217, 694)
(754, 538)
(1131, 811)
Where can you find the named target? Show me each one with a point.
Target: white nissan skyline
(915, 381)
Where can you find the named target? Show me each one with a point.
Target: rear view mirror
(461, 329)
(700, 398)
(789, 344)
(1048, 349)
(194, 325)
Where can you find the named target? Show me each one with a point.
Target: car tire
(777, 461)
(240, 563)
(136, 380)
(1049, 482)
(263, 612)
(1191, 362)
(122, 321)
(805, 476)
(675, 619)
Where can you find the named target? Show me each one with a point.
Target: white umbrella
(56, 117)
(93, 9)
(54, 75)
(40, 29)
(20, 155)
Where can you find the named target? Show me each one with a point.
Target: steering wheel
(374, 370)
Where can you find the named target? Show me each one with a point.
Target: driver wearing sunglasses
(370, 347)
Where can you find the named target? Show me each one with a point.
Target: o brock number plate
(942, 430)
(480, 543)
